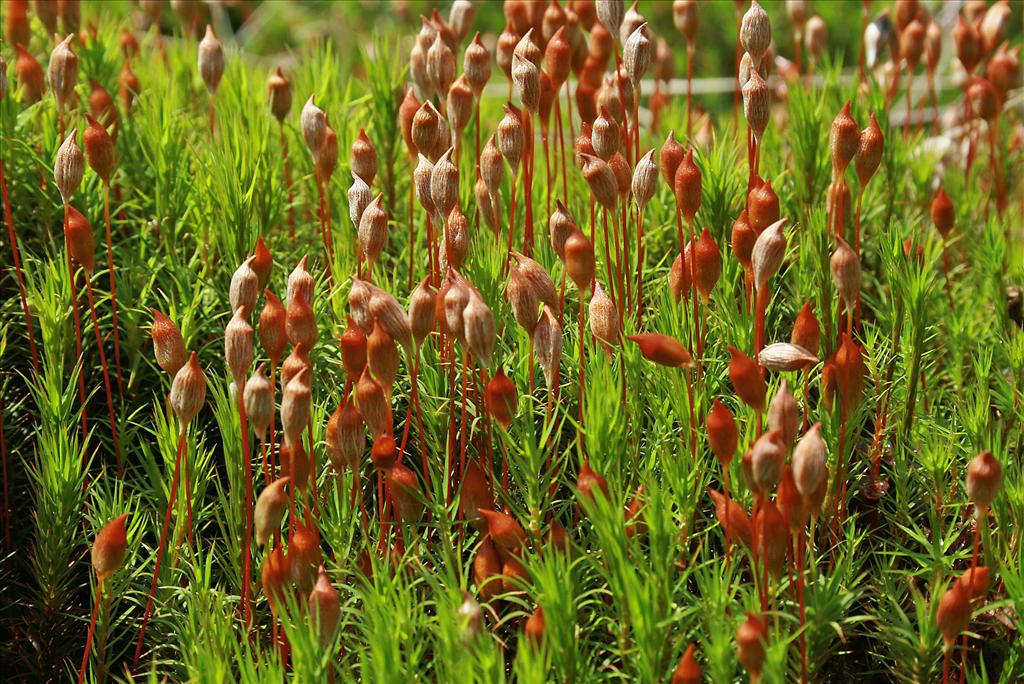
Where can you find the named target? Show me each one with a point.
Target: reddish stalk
(528, 184)
(11, 238)
(160, 548)
(626, 265)
(840, 485)
(547, 165)
(78, 336)
(212, 115)
(608, 259)
(106, 375)
(412, 225)
(92, 630)
(113, 289)
(800, 551)
(583, 381)
(287, 180)
(856, 244)
(247, 544)
(414, 405)
(693, 290)
(511, 221)
(618, 238)
(561, 145)
(946, 660)
(462, 428)
(639, 267)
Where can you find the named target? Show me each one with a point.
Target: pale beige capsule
(258, 398)
(604, 317)
(526, 82)
(845, 267)
(933, 45)
(601, 179)
(756, 32)
(422, 311)
(270, 507)
(560, 226)
(797, 11)
(68, 167)
(511, 138)
(188, 391)
(479, 329)
(767, 458)
(296, 401)
(63, 71)
(455, 244)
(816, 37)
(609, 98)
(359, 197)
(506, 46)
(244, 289)
(756, 104)
(488, 204)
(425, 126)
(605, 135)
(476, 66)
(211, 60)
(418, 71)
(444, 184)
(631, 21)
(279, 90)
(664, 61)
(492, 166)
(810, 468)
(547, 341)
(326, 158)
(611, 13)
(372, 404)
(421, 181)
(460, 18)
(637, 55)
(523, 300)
(359, 296)
(645, 180)
(768, 253)
(528, 49)
(300, 283)
(455, 301)
(345, 437)
(373, 229)
(441, 65)
(784, 414)
(535, 277)
(784, 356)
(238, 351)
(686, 18)
(385, 308)
(746, 66)
(362, 159)
(427, 33)
(313, 122)
(460, 104)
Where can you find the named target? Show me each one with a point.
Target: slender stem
(247, 544)
(528, 184)
(78, 335)
(160, 548)
(113, 290)
(106, 375)
(12, 239)
(639, 267)
(212, 115)
(583, 381)
(92, 629)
